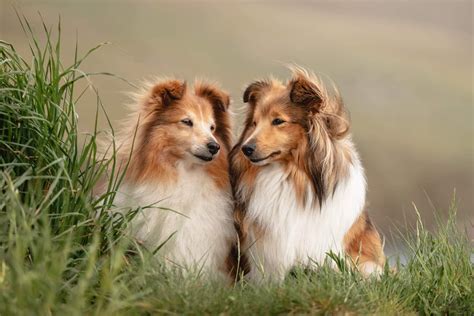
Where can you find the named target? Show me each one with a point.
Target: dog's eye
(254, 123)
(187, 122)
(213, 127)
(277, 121)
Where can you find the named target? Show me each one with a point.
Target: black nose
(213, 147)
(248, 149)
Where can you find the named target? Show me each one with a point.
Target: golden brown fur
(316, 124)
(155, 138)
(363, 243)
(311, 144)
(175, 147)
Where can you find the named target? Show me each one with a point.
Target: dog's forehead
(198, 106)
(275, 100)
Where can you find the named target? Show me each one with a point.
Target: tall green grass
(58, 245)
(62, 252)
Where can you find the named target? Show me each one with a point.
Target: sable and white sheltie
(298, 183)
(178, 174)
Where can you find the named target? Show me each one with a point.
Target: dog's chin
(257, 161)
(203, 159)
(261, 163)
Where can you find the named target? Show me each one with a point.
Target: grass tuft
(59, 249)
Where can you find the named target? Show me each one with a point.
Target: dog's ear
(312, 95)
(167, 92)
(337, 118)
(219, 99)
(305, 93)
(254, 91)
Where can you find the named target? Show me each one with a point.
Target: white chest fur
(193, 214)
(295, 235)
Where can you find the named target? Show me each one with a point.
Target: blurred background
(404, 69)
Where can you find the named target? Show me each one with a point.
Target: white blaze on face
(201, 133)
(205, 129)
(253, 135)
(205, 124)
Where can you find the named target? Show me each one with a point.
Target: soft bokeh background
(404, 69)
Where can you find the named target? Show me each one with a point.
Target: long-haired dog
(175, 147)
(298, 183)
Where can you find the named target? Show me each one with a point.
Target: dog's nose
(213, 147)
(248, 149)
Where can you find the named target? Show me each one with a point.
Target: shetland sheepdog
(175, 146)
(298, 183)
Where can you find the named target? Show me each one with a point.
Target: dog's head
(285, 119)
(185, 124)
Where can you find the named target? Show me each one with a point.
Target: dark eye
(187, 122)
(277, 121)
(254, 123)
(213, 127)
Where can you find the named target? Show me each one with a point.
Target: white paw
(370, 268)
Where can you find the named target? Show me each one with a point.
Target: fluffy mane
(147, 110)
(324, 154)
(330, 148)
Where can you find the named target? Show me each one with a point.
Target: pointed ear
(219, 99)
(305, 93)
(167, 92)
(254, 91)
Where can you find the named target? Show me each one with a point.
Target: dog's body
(298, 183)
(178, 174)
